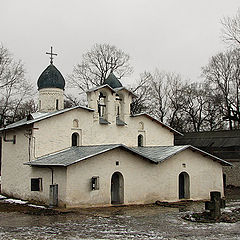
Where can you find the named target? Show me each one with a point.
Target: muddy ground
(134, 222)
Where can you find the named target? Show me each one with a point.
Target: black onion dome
(51, 78)
(112, 81)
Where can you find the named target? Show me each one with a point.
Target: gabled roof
(123, 88)
(100, 87)
(156, 154)
(38, 116)
(115, 90)
(157, 121)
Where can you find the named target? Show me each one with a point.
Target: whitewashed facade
(126, 166)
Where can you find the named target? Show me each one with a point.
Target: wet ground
(135, 222)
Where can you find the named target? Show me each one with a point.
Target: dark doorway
(117, 188)
(184, 185)
(224, 181)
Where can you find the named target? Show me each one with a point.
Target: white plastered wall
(144, 182)
(16, 177)
(48, 97)
(54, 134)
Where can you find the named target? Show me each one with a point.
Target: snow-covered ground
(18, 201)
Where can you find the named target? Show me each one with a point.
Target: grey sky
(173, 35)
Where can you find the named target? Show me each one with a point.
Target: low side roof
(154, 119)
(38, 116)
(74, 155)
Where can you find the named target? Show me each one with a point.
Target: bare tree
(176, 102)
(223, 76)
(10, 71)
(141, 89)
(97, 64)
(14, 88)
(231, 30)
(159, 93)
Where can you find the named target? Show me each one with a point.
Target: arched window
(102, 105)
(75, 139)
(75, 123)
(140, 140)
(141, 126)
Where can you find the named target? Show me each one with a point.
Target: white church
(100, 155)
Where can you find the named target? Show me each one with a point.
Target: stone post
(214, 205)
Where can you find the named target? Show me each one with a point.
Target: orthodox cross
(52, 54)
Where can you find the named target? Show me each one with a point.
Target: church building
(100, 154)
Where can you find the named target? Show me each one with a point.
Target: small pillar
(214, 205)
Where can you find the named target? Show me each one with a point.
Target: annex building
(100, 154)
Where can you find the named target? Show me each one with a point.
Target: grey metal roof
(41, 116)
(73, 155)
(154, 119)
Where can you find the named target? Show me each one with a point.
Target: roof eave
(153, 119)
(32, 121)
(214, 158)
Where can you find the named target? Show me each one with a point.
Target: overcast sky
(173, 35)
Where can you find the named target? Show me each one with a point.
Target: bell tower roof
(112, 81)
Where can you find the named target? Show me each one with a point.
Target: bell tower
(51, 87)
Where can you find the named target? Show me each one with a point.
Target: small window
(40, 105)
(36, 184)
(141, 126)
(95, 183)
(75, 123)
(117, 163)
(140, 140)
(57, 104)
(75, 139)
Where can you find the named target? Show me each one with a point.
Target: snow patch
(17, 201)
(2, 197)
(36, 206)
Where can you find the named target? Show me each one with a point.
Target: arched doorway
(184, 185)
(117, 188)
